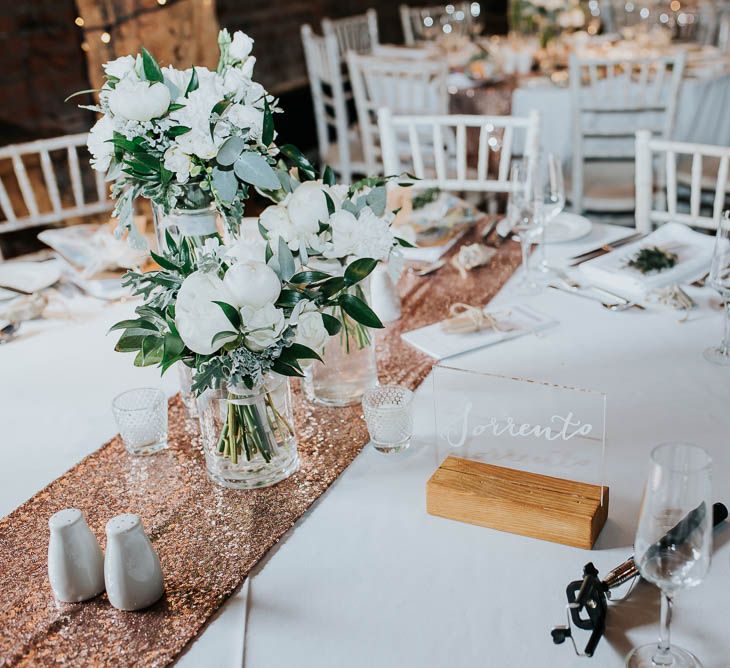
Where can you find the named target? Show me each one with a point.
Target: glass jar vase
(349, 365)
(196, 225)
(248, 434)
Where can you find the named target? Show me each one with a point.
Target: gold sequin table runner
(208, 538)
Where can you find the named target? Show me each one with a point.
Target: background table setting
(416, 403)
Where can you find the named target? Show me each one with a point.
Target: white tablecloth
(699, 112)
(367, 578)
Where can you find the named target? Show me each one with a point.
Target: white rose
(344, 235)
(99, 145)
(308, 207)
(120, 67)
(311, 331)
(197, 143)
(247, 67)
(245, 116)
(176, 161)
(264, 326)
(235, 83)
(241, 46)
(139, 100)
(254, 94)
(197, 318)
(275, 220)
(252, 284)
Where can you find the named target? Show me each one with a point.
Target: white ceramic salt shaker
(384, 297)
(75, 560)
(131, 567)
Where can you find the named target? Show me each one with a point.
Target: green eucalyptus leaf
(225, 184)
(359, 311)
(252, 168)
(287, 267)
(377, 199)
(230, 150)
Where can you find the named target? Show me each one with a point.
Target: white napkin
(694, 251)
(516, 319)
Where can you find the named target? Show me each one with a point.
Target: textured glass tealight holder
(389, 415)
(141, 416)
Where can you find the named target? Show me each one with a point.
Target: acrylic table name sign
(519, 455)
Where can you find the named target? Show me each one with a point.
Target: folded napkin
(446, 339)
(693, 250)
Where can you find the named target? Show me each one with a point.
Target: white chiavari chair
(357, 33)
(56, 172)
(419, 22)
(404, 86)
(610, 100)
(657, 188)
(420, 145)
(339, 145)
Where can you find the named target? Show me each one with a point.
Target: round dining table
(367, 577)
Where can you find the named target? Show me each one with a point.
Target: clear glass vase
(185, 376)
(248, 434)
(196, 225)
(349, 365)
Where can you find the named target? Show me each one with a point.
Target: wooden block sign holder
(546, 434)
(528, 504)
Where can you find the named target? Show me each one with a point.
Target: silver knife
(605, 248)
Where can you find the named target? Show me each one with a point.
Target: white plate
(29, 276)
(565, 227)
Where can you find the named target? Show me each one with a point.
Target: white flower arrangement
(549, 17)
(185, 139)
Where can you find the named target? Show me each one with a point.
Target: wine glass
(551, 198)
(674, 540)
(719, 279)
(524, 218)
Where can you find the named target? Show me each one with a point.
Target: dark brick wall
(41, 62)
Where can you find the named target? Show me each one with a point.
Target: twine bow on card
(464, 318)
(472, 256)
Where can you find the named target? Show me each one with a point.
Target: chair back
(656, 181)
(610, 99)
(357, 33)
(426, 23)
(43, 182)
(422, 146)
(328, 98)
(403, 86)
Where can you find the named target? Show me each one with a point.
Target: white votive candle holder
(389, 415)
(141, 416)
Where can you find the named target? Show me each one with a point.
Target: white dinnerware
(75, 560)
(132, 570)
(29, 277)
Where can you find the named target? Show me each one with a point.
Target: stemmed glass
(674, 540)
(524, 217)
(719, 279)
(551, 197)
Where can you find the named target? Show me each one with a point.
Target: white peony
(311, 331)
(245, 116)
(252, 284)
(263, 326)
(241, 46)
(307, 207)
(245, 249)
(275, 220)
(197, 318)
(197, 143)
(376, 237)
(345, 235)
(178, 162)
(139, 100)
(99, 143)
(120, 67)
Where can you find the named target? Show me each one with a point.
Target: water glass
(141, 416)
(673, 540)
(524, 218)
(389, 416)
(550, 196)
(719, 279)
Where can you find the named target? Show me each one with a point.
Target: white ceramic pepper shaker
(131, 567)
(75, 560)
